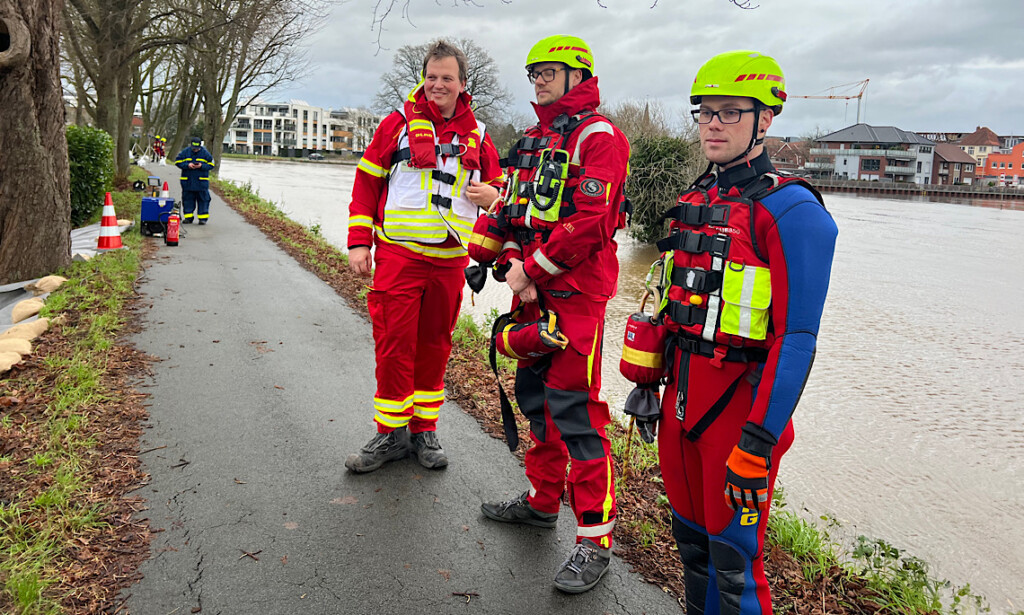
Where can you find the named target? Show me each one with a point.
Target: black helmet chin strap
(754, 139)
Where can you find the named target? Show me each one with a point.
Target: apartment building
(296, 128)
(873, 153)
(952, 165)
(1004, 169)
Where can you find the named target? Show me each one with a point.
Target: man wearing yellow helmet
(560, 209)
(747, 268)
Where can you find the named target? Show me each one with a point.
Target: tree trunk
(35, 199)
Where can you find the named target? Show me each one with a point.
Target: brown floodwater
(910, 427)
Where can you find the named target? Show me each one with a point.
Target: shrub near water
(91, 157)
(662, 168)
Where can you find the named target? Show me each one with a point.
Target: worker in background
(749, 256)
(562, 203)
(195, 163)
(415, 199)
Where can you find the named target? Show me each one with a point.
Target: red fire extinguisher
(173, 224)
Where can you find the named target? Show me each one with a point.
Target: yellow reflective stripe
(546, 263)
(485, 242)
(184, 178)
(642, 358)
(183, 160)
(421, 125)
(391, 421)
(392, 405)
(429, 396)
(609, 497)
(412, 94)
(747, 295)
(368, 167)
(426, 413)
(508, 348)
(590, 357)
(204, 178)
(453, 252)
(203, 216)
(355, 220)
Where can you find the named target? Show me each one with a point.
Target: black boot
(586, 565)
(694, 552)
(382, 448)
(518, 510)
(428, 451)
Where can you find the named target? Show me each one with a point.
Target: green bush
(663, 167)
(91, 155)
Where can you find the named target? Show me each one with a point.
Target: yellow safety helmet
(569, 50)
(741, 73)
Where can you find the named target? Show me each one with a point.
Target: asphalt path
(263, 388)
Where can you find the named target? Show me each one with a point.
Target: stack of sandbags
(15, 342)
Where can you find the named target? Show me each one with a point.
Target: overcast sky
(934, 65)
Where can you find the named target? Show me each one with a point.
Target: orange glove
(746, 471)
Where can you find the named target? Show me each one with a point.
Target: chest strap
(698, 215)
(695, 242)
(441, 201)
(445, 149)
(698, 281)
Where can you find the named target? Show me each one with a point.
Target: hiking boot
(382, 448)
(518, 510)
(187, 221)
(428, 451)
(586, 565)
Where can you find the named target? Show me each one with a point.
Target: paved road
(263, 389)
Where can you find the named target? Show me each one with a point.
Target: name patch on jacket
(592, 187)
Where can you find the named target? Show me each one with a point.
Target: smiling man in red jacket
(415, 199)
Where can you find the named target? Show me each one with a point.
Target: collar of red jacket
(584, 97)
(462, 122)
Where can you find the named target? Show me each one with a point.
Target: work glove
(746, 471)
(644, 405)
(476, 276)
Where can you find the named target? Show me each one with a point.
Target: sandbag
(26, 309)
(14, 344)
(27, 330)
(8, 360)
(45, 285)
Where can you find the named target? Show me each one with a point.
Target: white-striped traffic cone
(166, 192)
(110, 234)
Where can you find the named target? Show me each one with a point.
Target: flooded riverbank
(911, 417)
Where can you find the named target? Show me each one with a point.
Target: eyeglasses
(726, 116)
(545, 75)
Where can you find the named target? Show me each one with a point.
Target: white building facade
(296, 128)
(875, 153)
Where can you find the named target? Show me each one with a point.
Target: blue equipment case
(154, 214)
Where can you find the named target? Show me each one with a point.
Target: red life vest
(717, 279)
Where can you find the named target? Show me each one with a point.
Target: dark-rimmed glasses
(545, 75)
(726, 116)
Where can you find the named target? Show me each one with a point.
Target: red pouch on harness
(643, 348)
(530, 340)
(485, 243)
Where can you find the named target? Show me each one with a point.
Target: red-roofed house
(1004, 169)
(952, 165)
(980, 144)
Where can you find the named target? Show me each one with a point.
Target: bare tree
(259, 50)
(491, 100)
(639, 118)
(35, 202)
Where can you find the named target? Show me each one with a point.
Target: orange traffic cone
(166, 192)
(110, 235)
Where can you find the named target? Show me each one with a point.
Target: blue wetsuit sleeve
(800, 245)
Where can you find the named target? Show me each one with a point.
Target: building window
(956, 167)
(1009, 165)
(969, 168)
(1002, 165)
(242, 135)
(926, 150)
(869, 164)
(970, 150)
(918, 166)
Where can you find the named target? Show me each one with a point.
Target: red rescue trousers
(722, 549)
(414, 304)
(559, 394)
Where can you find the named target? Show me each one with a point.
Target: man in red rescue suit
(562, 205)
(747, 268)
(415, 198)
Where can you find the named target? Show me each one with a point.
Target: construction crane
(834, 93)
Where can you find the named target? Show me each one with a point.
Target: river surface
(910, 426)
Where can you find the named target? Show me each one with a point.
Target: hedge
(91, 156)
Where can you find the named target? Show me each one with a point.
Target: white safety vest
(411, 212)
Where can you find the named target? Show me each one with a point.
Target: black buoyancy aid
(717, 278)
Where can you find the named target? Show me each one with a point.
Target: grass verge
(810, 573)
(69, 425)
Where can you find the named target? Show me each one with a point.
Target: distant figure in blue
(195, 163)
